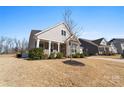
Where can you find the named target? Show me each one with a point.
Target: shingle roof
(89, 41)
(33, 32)
(98, 41)
(117, 40)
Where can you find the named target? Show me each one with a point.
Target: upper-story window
(63, 33)
(103, 42)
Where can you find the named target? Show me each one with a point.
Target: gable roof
(47, 29)
(74, 38)
(98, 41)
(121, 40)
(88, 41)
(33, 32)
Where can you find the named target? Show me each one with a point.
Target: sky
(95, 21)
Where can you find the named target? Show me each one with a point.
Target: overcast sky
(97, 22)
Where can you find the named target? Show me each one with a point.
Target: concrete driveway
(107, 59)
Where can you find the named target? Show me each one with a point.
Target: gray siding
(91, 48)
(32, 41)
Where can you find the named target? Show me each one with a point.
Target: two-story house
(55, 39)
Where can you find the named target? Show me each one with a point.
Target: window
(63, 33)
(101, 48)
(103, 42)
(74, 48)
(41, 44)
(46, 45)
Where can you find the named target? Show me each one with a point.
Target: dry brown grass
(117, 56)
(60, 72)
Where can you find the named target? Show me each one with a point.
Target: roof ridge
(98, 39)
(89, 41)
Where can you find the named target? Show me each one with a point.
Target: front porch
(103, 50)
(51, 46)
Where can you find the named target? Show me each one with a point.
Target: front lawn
(60, 72)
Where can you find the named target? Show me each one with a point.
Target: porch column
(58, 47)
(49, 47)
(38, 41)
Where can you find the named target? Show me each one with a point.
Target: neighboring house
(112, 48)
(89, 47)
(118, 43)
(94, 47)
(104, 48)
(55, 39)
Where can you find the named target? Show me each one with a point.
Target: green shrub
(59, 55)
(73, 56)
(122, 55)
(90, 54)
(45, 56)
(82, 55)
(77, 55)
(110, 54)
(18, 54)
(52, 56)
(86, 54)
(36, 53)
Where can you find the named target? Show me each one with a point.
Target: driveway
(107, 59)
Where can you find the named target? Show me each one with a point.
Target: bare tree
(71, 26)
(24, 44)
(2, 39)
(9, 45)
(17, 44)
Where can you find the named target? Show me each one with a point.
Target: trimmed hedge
(36, 53)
